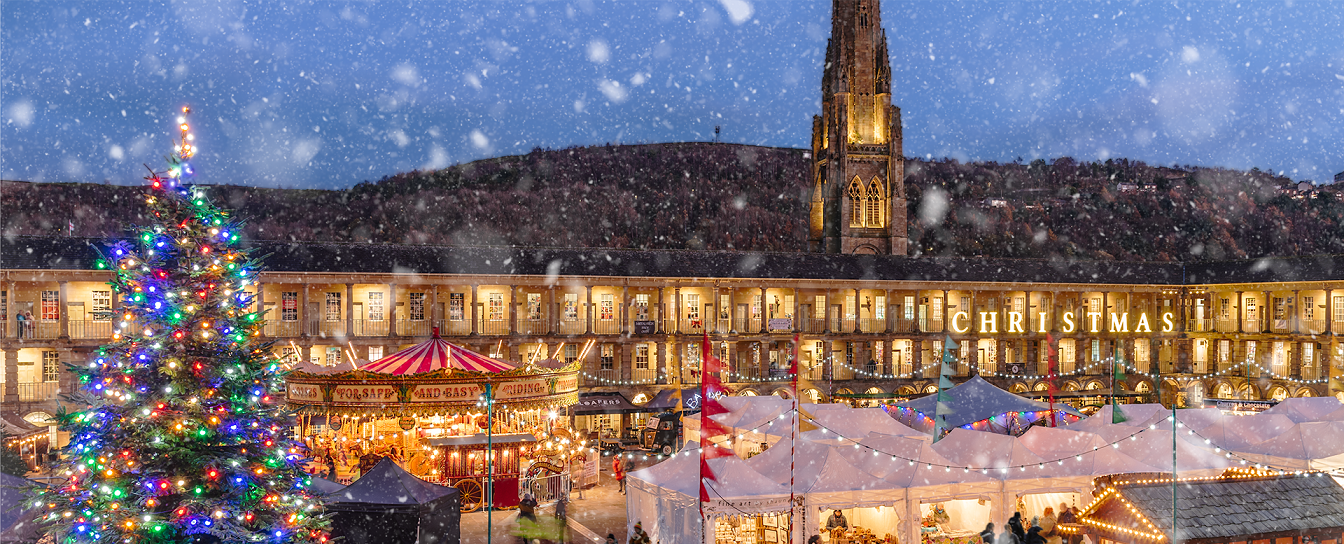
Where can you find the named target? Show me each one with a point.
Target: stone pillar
(1295, 316)
(434, 315)
(305, 330)
(663, 376)
(1241, 311)
(472, 328)
(11, 324)
(1267, 312)
(62, 306)
(391, 316)
(589, 312)
(552, 314)
(11, 376)
(765, 314)
(675, 314)
(946, 305)
(917, 354)
(1329, 317)
(624, 313)
(349, 310)
(260, 302)
(513, 309)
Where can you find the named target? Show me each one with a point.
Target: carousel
(444, 413)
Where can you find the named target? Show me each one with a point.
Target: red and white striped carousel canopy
(435, 354)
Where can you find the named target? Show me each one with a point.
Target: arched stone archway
(906, 391)
(811, 395)
(1278, 392)
(930, 388)
(1224, 390)
(866, 249)
(1041, 386)
(1143, 387)
(1095, 385)
(782, 393)
(1018, 387)
(747, 393)
(1070, 386)
(1304, 391)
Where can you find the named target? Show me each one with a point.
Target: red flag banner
(711, 389)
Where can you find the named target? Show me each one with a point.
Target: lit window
(375, 305)
(334, 307)
(51, 305)
(289, 306)
(534, 306)
(875, 201)
(51, 366)
(495, 306)
(608, 359)
(607, 307)
(417, 306)
(457, 306)
(856, 202)
(102, 306)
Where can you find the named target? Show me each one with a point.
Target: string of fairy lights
(986, 470)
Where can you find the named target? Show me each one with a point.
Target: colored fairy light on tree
(184, 438)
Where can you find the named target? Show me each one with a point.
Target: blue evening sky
(328, 94)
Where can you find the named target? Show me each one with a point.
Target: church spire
(858, 203)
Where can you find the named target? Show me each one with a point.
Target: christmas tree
(184, 437)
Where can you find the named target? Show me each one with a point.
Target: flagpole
(793, 431)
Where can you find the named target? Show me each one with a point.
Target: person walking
(618, 472)
(987, 535)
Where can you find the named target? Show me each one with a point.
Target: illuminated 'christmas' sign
(1090, 322)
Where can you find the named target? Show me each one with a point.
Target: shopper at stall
(1007, 536)
(987, 535)
(1066, 515)
(1049, 526)
(1015, 524)
(837, 520)
(1034, 533)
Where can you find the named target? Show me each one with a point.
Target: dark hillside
(724, 196)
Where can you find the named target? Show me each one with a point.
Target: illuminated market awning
(435, 354)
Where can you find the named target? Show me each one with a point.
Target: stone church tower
(858, 196)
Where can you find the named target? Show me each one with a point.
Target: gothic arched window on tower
(876, 200)
(856, 202)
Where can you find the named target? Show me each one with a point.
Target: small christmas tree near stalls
(184, 439)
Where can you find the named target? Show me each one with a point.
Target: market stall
(410, 406)
(665, 500)
(391, 506)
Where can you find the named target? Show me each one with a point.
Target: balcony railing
(533, 326)
(645, 375)
(81, 328)
(454, 327)
(40, 330)
(813, 325)
(494, 327)
(1199, 325)
(282, 329)
(366, 327)
(572, 326)
(326, 328)
(692, 326)
(725, 325)
(1311, 326)
(905, 325)
(1225, 325)
(872, 324)
(1280, 325)
(1312, 372)
(37, 391)
(931, 325)
(608, 374)
(607, 326)
(1250, 325)
(669, 325)
(419, 327)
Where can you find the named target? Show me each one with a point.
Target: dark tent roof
(690, 400)
(1236, 508)
(976, 399)
(323, 486)
(16, 523)
(387, 483)
(604, 403)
